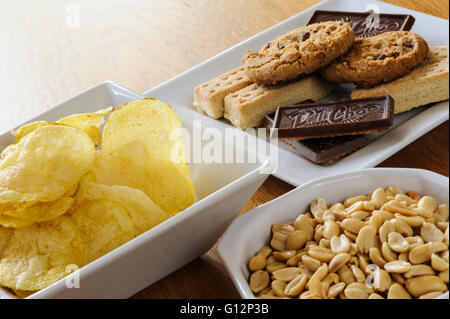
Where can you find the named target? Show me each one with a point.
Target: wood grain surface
(54, 49)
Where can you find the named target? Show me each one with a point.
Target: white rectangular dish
(291, 168)
(221, 191)
(252, 230)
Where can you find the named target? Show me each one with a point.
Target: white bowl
(252, 230)
(221, 192)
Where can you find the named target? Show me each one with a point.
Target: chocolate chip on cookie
(301, 51)
(382, 58)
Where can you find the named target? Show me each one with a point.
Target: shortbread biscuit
(301, 51)
(378, 59)
(426, 84)
(208, 97)
(247, 107)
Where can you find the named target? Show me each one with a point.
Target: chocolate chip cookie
(301, 51)
(382, 58)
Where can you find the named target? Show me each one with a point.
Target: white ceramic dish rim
(146, 237)
(234, 232)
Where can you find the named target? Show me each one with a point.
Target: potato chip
(40, 212)
(144, 132)
(22, 294)
(45, 164)
(144, 213)
(5, 235)
(104, 226)
(39, 255)
(85, 120)
(111, 169)
(28, 128)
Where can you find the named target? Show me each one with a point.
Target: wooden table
(52, 50)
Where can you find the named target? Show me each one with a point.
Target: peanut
(396, 291)
(421, 285)
(381, 280)
(258, 262)
(286, 274)
(430, 232)
(397, 242)
(438, 263)
(338, 261)
(296, 240)
(397, 266)
(296, 286)
(366, 238)
(259, 280)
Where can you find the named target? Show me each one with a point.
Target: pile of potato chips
(64, 201)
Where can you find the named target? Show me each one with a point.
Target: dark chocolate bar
(366, 24)
(322, 150)
(330, 119)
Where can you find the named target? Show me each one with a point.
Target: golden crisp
(45, 164)
(111, 170)
(104, 226)
(18, 217)
(143, 211)
(39, 255)
(148, 132)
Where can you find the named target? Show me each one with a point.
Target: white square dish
(252, 230)
(292, 168)
(221, 191)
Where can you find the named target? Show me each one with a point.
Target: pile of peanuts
(384, 245)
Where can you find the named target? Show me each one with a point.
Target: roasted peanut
(396, 291)
(331, 229)
(265, 251)
(404, 198)
(381, 280)
(398, 278)
(338, 261)
(316, 287)
(428, 203)
(339, 244)
(413, 221)
(443, 212)
(366, 238)
(444, 276)
(421, 285)
(413, 195)
(296, 285)
(311, 263)
(275, 266)
(352, 200)
(335, 290)
(388, 254)
(397, 242)
(375, 256)
(352, 225)
(395, 207)
(419, 270)
(358, 273)
(438, 263)
(430, 232)
(259, 280)
(320, 253)
(296, 240)
(355, 293)
(401, 227)
(378, 198)
(283, 255)
(258, 262)
(414, 241)
(319, 205)
(385, 230)
(393, 190)
(286, 274)
(431, 295)
(278, 287)
(397, 266)
(346, 275)
(304, 224)
(329, 279)
(375, 296)
(294, 260)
